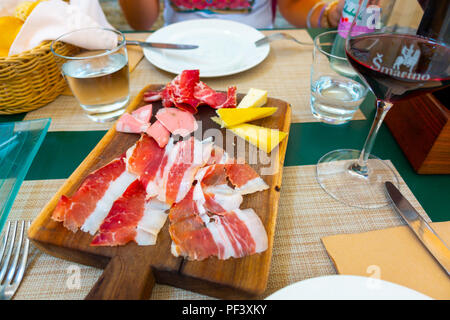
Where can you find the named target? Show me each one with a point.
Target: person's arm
(140, 14)
(296, 12)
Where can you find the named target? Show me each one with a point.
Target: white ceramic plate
(225, 47)
(342, 287)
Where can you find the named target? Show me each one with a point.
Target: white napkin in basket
(53, 18)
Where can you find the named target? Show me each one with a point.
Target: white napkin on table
(53, 18)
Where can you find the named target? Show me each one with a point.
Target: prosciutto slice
(154, 218)
(119, 227)
(244, 178)
(212, 192)
(230, 234)
(93, 200)
(238, 233)
(189, 234)
(144, 159)
(186, 158)
(215, 99)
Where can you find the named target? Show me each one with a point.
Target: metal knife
(161, 45)
(421, 228)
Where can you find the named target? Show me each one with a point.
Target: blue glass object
(19, 143)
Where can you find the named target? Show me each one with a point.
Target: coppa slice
(144, 113)
(93, 200)
(177, 121)
(129, 124)
(136, 122)
(159, 133)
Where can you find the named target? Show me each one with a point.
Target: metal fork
(14, 272)
(279, 36)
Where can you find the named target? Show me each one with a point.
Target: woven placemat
(306, 214)
(285, 74)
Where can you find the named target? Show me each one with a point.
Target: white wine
(100, 84)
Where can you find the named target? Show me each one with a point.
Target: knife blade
(162, 45)
(420, 227)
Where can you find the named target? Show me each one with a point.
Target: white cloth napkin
(51, 19)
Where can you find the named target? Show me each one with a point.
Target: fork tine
(8, 254)
(23, 261)
(12, 268)
(5, 240)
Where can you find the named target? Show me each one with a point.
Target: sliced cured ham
(244, 178)
(215, 99)
(218, 156)
(136, 122)
(144, 153)
(177, 121)
(186, 92)
(158, 132)
(143, 114)
(132, 218)
(144, 159)
(221, 198)
(212, 192)
(119, 227)
(238, 233)
(129, 124)
(93, 200)
(189, 234)
(230, 234)
(186, 158)
(154, 218)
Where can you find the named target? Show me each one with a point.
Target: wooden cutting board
(130, 271)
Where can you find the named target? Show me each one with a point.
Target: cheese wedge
(218, 121)
(253, 99)
(265, 139)
(232, 117)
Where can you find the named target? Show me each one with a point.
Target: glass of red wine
(400, 49)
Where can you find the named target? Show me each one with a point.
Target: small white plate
(225, 47)
(343, 287)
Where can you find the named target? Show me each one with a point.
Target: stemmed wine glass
(400, 49)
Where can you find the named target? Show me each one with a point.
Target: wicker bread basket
(32, 79)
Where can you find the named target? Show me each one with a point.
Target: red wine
(398, 66)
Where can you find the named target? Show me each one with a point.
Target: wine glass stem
(360, 167)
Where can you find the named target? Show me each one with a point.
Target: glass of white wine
(98, 75)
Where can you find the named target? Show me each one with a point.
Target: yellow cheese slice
(253, 99)
(232, 117)
(218, 121)
(265, 139)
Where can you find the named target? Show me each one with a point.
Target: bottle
(338, 49)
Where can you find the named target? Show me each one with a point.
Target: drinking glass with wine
(402, 50)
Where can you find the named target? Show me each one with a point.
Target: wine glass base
(335, 176)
